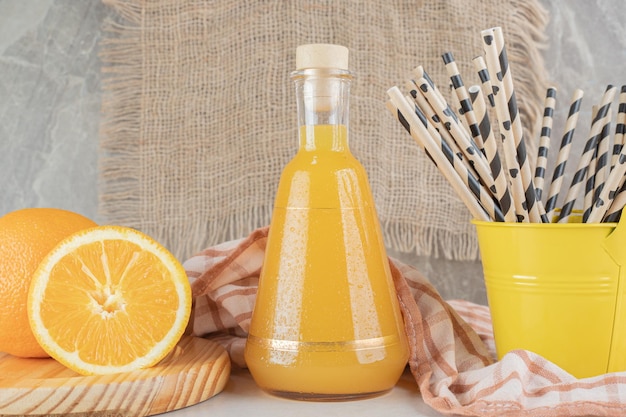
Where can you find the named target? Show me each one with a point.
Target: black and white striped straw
(472, 182)
(590, 174)
(620, 126)
(465, 150)
(614, 212)
(601, 164)
(506, 132)
(585, 158)
(466, 110)
(608, 192)
(535, 206)
(563, 155)
(485, 82)
(541, 162)
(590, 184)
(434, 119)
(405, 113)
(491, 153)
(451, 122)
(604, 153)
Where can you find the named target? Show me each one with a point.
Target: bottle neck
(322, 97)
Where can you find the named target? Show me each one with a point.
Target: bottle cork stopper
(321, 55)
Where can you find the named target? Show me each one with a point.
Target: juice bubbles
(326, 323)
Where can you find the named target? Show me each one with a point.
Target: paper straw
(585, 159)
(465, 103)
(405, 114)
(491, 153)
(608, 192)
(504, 123)
(448, 118)
(614, 212)
(590, 184)
(544, 141)
(485, 81)
(620, 126)
(590, 174)
(604, 147)
(602, 168)
(535, 207)
(563, 155)
(469, 179)
(434, 119)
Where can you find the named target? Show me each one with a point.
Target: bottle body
(326, 323)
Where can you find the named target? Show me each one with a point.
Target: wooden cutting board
(197, 369)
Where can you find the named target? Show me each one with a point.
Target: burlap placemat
(199, 112)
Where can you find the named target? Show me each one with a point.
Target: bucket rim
(483, 223)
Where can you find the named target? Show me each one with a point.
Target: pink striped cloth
(452, 349)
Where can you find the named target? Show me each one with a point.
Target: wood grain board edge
(195, 371)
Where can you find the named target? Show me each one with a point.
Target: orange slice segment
(109, 299)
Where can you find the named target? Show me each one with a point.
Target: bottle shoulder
(324, 167)
(324, 181)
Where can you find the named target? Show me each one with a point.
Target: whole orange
(26, 237)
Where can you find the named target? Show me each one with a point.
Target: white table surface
(241, 397)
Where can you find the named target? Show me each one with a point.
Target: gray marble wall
(50, 103)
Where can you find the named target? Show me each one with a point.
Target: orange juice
(326, 323)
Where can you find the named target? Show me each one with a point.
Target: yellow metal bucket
(558, 290)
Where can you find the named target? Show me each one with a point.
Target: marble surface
(50, 102)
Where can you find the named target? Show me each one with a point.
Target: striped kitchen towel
(452, 351)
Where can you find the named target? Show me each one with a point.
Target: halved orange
(109, 299)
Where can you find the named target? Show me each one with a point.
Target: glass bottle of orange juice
(326, 324)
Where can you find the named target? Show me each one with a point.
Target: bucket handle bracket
(615, 242)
